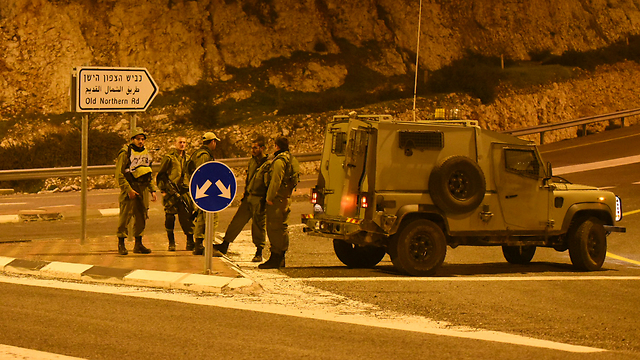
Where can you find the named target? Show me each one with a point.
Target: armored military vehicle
(411, 189)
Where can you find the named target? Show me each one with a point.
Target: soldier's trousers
(200, 227)
(135, 208)
(251, 208)
(171, 208)
(278, 224)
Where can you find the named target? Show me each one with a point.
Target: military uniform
(133, 172)
(177, 200)
(283, 167)
(251, 208)
(199, 157)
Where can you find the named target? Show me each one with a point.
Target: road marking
(110, 212)
(13, 352)
(9, 219)
(618, 257)
(8, 204)
(470, 278)
(630, 212)
(311, 303)
(55, 206)
(596, 165)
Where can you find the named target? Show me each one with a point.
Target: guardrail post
(622, 121)
(584, 130)
(541, 137)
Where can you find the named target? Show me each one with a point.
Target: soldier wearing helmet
(133, 175)
(203, 155)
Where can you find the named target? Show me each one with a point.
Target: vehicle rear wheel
(457, 185)
(419, 249)
(518, 254)
(357, 256)
(588, 245)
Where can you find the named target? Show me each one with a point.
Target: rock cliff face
(183, 43)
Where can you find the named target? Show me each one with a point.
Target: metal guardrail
(71, 171)
(584, 121)
(44, 173)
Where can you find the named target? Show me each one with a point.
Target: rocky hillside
(235, 65)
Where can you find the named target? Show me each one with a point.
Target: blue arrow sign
(213, 186)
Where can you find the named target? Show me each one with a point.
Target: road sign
(114, 89)
(213, 186)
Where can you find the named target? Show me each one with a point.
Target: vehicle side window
(522, 162)
(338, 142)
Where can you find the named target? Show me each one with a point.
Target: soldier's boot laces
(275, 261)
(122, 249)
(258, 256)
(198, 248)
(172, 241)
(190, 243)
(138, 248)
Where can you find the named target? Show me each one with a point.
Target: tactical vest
(291, 174)
(139, 163)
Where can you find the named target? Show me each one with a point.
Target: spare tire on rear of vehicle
(457, 185)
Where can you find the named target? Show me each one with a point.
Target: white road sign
(114, 89)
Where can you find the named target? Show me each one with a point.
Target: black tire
(419, 249)
(457, 185)
(518, 254)
(356, 256)
(588, 245)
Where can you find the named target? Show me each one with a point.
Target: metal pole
(83, 196)
(132, 127)
(208, 241)
(415, 85)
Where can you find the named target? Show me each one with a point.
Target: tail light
(314, 196)
(364, 201)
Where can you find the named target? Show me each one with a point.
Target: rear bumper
(333, 227)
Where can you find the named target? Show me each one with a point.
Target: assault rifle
(175, 191)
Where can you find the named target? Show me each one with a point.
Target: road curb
(145, 278)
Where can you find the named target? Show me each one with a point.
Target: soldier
(174, 185)
(202, 155)
(282, 178)
(133, 175)
(251, 206)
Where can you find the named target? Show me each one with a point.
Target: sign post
(212, 188)
(106, 89)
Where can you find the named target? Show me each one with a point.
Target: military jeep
(410, 189)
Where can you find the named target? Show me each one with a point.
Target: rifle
(175, 191)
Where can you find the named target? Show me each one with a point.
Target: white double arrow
(202, 191)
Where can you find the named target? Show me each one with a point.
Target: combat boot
(275, 261)
(138, 248)
(258, 256)
(172, 241)
(198, 248)
(122, 249)
(222, 247)
(190, 243)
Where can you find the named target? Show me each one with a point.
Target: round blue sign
(212, 186)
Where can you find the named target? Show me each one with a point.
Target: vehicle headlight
(618, 208)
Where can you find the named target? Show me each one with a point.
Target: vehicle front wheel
(518, 254)
(588, 245)
(357, 256)
(419, 249)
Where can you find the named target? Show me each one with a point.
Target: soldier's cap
(138, 131)
(208, 136)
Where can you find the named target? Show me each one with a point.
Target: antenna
(415, 85)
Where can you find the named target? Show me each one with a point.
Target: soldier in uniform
(133, 175)
(202, 155)
(174, 185)
(282, 178)
(251, 206)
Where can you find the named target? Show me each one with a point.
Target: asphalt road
(475, 287)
